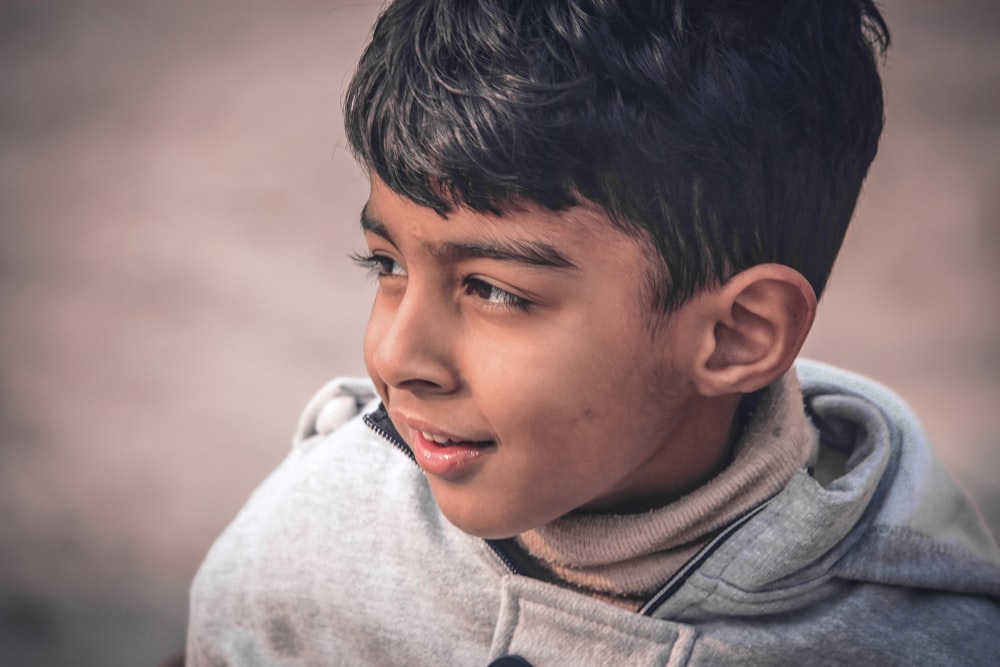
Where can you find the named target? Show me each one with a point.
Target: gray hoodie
(341, 557)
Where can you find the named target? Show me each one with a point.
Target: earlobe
(758, 321)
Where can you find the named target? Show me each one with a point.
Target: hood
(877, 507)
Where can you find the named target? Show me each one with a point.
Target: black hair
(735, 132)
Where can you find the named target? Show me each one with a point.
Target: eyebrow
(371, 224)
(533, 253)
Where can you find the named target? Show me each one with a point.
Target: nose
(409, 343)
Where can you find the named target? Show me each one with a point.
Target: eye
(379, 266)
(494, 296)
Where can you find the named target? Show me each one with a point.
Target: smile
(434, 437)
(446, 455)
(432, 434)
(446, 441)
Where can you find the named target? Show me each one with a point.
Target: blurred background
(176, 206)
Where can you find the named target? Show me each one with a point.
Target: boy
(599, 231)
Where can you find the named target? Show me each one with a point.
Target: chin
(487, 530)
(487, 525)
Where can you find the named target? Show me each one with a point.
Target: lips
(446, 455)
(447, 441)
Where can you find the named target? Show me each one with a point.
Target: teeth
(441, 440)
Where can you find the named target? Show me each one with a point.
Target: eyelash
(381, 266)
(377, 265)
(496, 297)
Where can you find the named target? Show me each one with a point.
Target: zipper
(696, 561)
(501, 552)
(392, 437)
(496, 546)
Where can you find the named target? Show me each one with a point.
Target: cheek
(568, 395)
(582, 405)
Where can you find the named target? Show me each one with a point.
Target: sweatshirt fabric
(341, 556)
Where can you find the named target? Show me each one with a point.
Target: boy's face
(516, 357)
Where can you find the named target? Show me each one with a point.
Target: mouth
(449, 441)
(444, 455)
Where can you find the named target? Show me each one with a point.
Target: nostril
(419, 385)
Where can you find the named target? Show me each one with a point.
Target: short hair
(735, 132)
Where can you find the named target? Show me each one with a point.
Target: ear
(751, 329)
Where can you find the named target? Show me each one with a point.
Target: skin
(531, 334)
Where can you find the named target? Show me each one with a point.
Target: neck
(698, 451)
